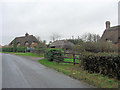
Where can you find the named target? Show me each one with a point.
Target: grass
(25, 54)
(76, 72)
(71, 60)
(29, 54)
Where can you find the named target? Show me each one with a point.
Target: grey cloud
(66, 18)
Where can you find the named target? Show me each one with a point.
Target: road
(20, 72)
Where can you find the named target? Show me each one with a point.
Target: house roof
(27, 38)
(61, 43)
(112, 34)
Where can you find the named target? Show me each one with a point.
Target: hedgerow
(106, 64)
(11, 49)
(7, 49)
(54, 54)
(21, 49)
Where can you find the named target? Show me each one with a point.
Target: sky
(65, 17)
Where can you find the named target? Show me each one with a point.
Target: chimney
(26, 34)
(107, 24)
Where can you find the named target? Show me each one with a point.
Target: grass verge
(25, 54)
(76, 72)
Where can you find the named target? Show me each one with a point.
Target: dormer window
(108, 40)
(26, 44)
(33, 42)
(18, 44)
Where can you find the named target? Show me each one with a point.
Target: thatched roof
(112, 34)
(62, 44)
(27, 38)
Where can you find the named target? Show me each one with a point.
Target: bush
(103, 63)
(7, 49)
(54, 54)
(21, 49)
(10, 49)
(95, 47)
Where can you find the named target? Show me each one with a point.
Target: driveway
(21, 72)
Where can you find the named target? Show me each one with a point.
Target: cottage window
(12, 44)
(109, 41)
(33, 42)
(18, 44)
(26, 43)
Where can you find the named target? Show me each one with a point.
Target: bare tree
(38, 38)
(55, 36)
(89, 37)
(42, 44)
(84, 37)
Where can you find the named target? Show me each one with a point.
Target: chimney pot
(26, 34)
(107, 24)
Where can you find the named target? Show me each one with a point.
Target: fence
(71, 56)
(38, 51)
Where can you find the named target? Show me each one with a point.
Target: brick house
(111, 34)
(27, 41)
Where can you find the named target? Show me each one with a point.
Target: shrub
(103, 63)
(7, 49)
(54, 54)
(21, 49)
(11, 49)
(96, 47)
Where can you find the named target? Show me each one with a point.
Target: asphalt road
(20, 72)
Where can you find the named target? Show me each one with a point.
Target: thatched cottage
(27, 40)
(111, 34)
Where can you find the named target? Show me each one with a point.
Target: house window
(108, 40)
(12, 44)
(18, 44)
(32, 43)
(26, 44)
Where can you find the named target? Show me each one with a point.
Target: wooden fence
(66, 56)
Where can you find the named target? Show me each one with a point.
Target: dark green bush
(103, 63)
(21, 49)
(54, 54)
(7, 49)
(10, 49)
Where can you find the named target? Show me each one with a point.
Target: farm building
(63, 44)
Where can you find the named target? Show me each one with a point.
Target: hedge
(54, 54)
(21, 49)
(106, 64)
(7, 49)
(10, 49)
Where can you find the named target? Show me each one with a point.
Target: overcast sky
(44, 17)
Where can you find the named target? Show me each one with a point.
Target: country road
(20, 72)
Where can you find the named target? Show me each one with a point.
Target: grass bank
(76, 72)
(25, 54)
